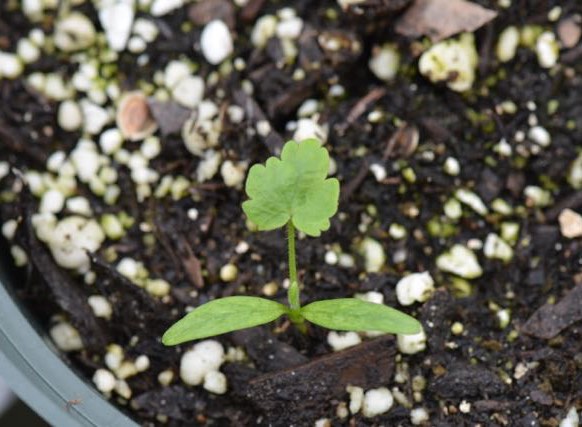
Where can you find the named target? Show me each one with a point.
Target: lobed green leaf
(351, 314)
(293, 188)
(221, 316)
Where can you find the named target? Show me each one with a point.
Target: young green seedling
(293, 191)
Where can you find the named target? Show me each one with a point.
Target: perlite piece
(461, 261)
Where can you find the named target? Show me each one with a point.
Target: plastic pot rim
(32, 369)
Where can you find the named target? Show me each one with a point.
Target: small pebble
(215, 382)
(133, 117)
(228, 273)
(104, 380)
(158, 287)
(385, 61)
(379, 171)
(196, 363)
(570, 30)
(19, 256)
(242, 247)
(452, 61)
(123, 389)
(356, 398)
(128, 267)
(216, 42)
(101, 306)
(419, 416)
(111, 141)
(142, 363)
(371, 296)
(547, 49)
(496, 248)
(69, 116)
(233, 174)
(264, 29)
(114, 356)
(209, 165)
(165, 377)
(507, 44)
(376, 402)
(331, 258)
(322, 422)
(174, 72)
(461, 261)
(465, 407)
(52, 201)
(95, 117)
(457, 328)
(570, 224)
(341, 340)
(416, 287)
(79, 205)
(11, 66)
(146, 29)
(452, 166)
(290, 28)
(74, 32)
(9, 229)
(66, 337)
(189, 91)
(55, 161)
(411, 344)
(193, 214)
(571, 420)
(270, 289)
(4, 169)
(472, 200)
(116, 18)
(163, 7)
(575, 173)
(374, 255)
(537, 196)
(540, 136)
(309, 128)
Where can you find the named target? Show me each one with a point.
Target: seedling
(292, 191)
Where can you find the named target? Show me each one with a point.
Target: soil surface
(504, 348)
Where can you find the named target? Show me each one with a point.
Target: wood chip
(360, 108)
(551, 319)
(190, 262)
(169, 116)
(468, 381)
(251, 10)
(297, 395)
(440, 19)
(208, 10)
(266, 351)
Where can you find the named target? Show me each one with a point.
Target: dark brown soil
(477, 366)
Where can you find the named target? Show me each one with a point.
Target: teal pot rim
(30, 365)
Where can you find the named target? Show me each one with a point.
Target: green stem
(291, 251)
(293, 292)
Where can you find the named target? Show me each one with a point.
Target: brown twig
(360, 108)
(355, 182)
